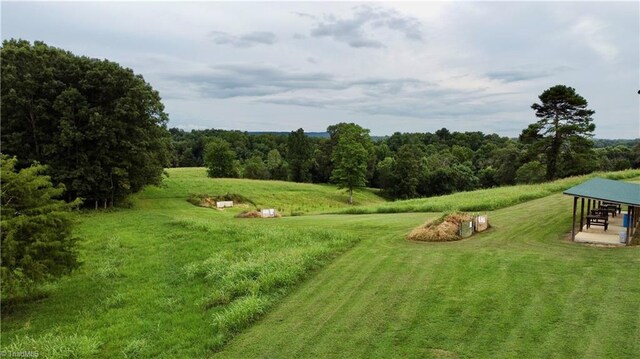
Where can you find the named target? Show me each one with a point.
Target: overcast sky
(408, 67)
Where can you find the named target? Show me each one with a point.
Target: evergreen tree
(300, 156)
(563, 116)
(37, 244)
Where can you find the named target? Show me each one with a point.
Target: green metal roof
(607, 190)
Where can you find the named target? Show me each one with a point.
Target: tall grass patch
(253, 267)
(53, 346)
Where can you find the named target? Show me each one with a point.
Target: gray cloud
(401, 97)
(515, 75)
(226, 81)
(353, 31)
(245, 40)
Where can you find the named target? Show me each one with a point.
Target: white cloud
(593, 33)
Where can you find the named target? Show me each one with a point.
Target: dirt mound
(254, 214)
(209, 201)
(443, 229)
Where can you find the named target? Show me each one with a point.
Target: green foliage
(255, 168)
(356, 134)
(220, 159)
(299, 156)
(406, 172)
(350, 164)
(37, 244)
(563, 116)
(277, 167)
(98, 126)
(531, 172)
(385, 174)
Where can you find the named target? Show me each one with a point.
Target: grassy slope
(519, 291)
(484, 199)
(287, 197)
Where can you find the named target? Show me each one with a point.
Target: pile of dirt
(209, 201)
(254, 214)
(443, 229)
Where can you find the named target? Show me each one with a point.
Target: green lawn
(520, 290)
(167, 279)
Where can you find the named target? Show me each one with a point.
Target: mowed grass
(286, 197)
(167, 279)
(520, 290)
(484, 199)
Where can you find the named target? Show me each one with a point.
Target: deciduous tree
(100, 128)
(349, 164)
(219, 159)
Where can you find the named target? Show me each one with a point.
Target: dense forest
(403, 165)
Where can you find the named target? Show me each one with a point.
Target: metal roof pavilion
(602, 191)
(607, 190)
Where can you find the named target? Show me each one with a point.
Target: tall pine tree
(564, 120)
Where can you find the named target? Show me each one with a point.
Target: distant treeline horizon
(598, 142)
(432, 163)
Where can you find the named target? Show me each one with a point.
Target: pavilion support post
(632, 218)
(629, 223)
(588, 206)
(581, 214)
(573, 226)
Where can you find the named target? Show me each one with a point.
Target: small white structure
(481, 223)
(224, 204)
(268, 213)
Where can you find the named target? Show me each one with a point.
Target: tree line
(403, 165)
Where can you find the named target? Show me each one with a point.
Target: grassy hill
(287, 197)
(485, 199)
(167, 279)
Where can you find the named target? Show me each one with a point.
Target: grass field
(286, 197)
(167, 279)
(484, 199)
